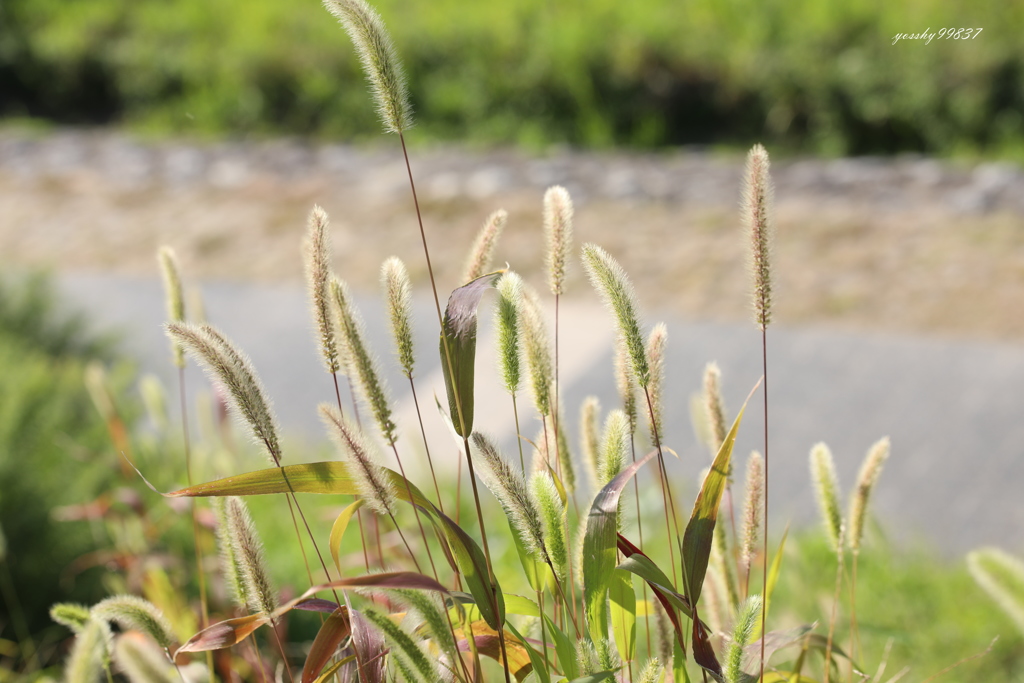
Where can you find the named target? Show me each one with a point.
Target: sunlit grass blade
(334, 630)
(599, 546)
(338, 530)
(459, 331)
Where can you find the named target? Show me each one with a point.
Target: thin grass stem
(764, 538)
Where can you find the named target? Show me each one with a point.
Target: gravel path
(906, 244)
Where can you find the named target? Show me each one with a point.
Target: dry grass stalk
(752, 508)
(757, 212)
(656, 342)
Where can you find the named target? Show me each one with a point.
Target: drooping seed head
(229, 366)
(757, 213)
(869, 472)
(374, 486)
(713, 406)
(826, 487)
(752, 508)
(249, 553)
(510, 294)
(173, 294)
(509, 487)
(131, 612)
(398, 294)
(74, 616)
(479, 260)
(380, 61)
(656, 362)
(364, 365)
(590, 444)
(318, 274)
(611, 282)
(558, 234)
(552, 515)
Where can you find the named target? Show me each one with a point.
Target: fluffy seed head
(611, 282)
(757, 213)
(590, 444)
(826, 487)
(141, 662)
(479, 260)
(713, 406)
(131, 612)
(656, 362)
(1001, 575)
(398, 293)
(509, 487)
(748, 618)
(752, 508)
(510, 295)
(614, 447)
(380, 61)
(869, 471)
(90, 653)
(558, 234)
(318, 274)
(625, 381)
(374, 486)
(536, 350)
(229, 366)
(567, 469)
(350, 325)
(652, 671)
(248, 550)
(230, 566)
(175, 298)
(431, 609)
(552, 514)
(70, 614)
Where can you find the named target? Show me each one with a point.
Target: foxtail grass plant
(580, 560)
(757, 214)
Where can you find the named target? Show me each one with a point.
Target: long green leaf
(338, 530)
(622, 606)
(459, 335)
(599, 544)
(564, 648)
(334, 477)
(699, 534)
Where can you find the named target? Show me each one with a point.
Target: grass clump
(579, 561)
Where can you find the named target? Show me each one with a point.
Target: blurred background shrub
(54, 452)
(805, 75)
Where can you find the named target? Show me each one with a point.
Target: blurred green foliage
(802, 74)
(54, 448)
